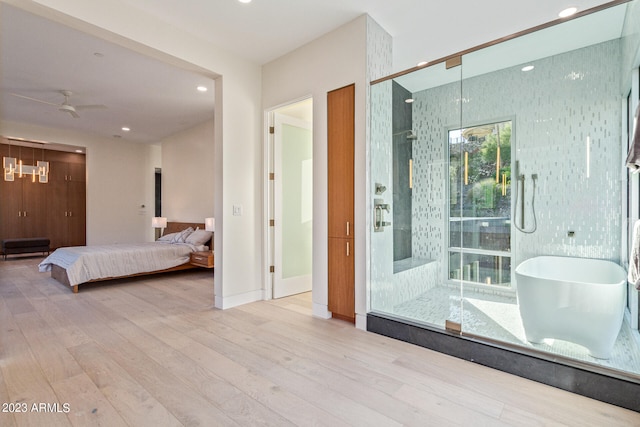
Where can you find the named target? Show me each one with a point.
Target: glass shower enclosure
(482, 161)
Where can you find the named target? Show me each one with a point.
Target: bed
(73, 266)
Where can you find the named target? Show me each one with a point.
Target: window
(480, 204)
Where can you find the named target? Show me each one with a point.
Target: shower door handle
(378, 215)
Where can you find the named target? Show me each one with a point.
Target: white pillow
(182, 236)
(167, 237)
(198, 237)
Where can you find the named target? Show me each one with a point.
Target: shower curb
(609, 389)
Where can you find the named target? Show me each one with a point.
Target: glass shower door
(409, 199)
(488, 194)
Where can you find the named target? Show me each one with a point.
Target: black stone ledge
(588, 380)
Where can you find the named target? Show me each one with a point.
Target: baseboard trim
(321, 311)
(224, 303)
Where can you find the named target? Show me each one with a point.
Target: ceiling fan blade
(87, 107)
(34, 99)
(73, 113)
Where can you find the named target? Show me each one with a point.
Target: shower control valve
(378, 215)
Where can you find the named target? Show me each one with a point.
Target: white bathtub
(572, 299)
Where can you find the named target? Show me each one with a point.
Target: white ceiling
(589, 30)
(38, 58)
(422, 29)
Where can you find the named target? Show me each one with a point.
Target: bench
(25, 245)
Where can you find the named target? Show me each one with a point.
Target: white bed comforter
(84, 263)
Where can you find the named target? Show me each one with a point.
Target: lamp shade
(159, 222)
(210, 224)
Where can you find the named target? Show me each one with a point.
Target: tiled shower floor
(497, 317)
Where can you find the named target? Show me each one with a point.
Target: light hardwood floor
(153, 352)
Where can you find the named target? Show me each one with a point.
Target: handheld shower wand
(521, 177)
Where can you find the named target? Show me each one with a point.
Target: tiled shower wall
(630, 42)
(379, 61)
(568, 102)
(402, 152)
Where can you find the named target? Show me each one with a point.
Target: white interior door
(293, 190)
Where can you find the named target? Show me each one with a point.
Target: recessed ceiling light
(202, 89)
(244, 1)
(568, 12)
(528, 68)
(126, 129)
(408, 100)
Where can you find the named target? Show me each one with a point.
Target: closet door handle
(348, 249)
(348, 228)
(24, 214)
(19, 213)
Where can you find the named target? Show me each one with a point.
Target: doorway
(290, 192)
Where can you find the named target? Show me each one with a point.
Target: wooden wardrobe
(341, 139)
(56, 209)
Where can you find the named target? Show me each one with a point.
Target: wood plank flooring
(154, 352)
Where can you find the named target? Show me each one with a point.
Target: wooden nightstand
(202, 259)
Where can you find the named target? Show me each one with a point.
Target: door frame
(268, 237)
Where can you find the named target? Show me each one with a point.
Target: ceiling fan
(66, 106)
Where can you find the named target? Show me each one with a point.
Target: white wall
(332, 61)
(237, 146)
(188, 174)
(113, 215)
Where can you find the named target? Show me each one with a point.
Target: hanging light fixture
(12, 166)
(9, 165)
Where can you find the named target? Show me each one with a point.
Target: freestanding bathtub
(579, 300)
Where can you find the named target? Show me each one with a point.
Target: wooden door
(76, 205)
(340, 150)
(10, 201)
(66, 201)
(76, 169)
(57, 204)
(10, 208)
(341, 279)
(34, 208)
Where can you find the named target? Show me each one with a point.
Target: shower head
(410, 135)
